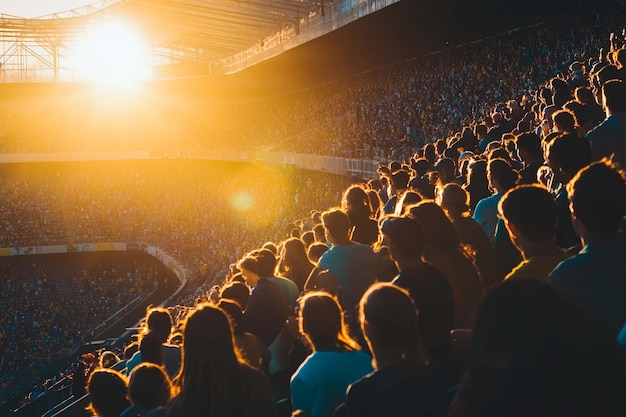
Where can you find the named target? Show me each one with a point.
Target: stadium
(313, 208)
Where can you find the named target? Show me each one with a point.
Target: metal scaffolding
(188, 37)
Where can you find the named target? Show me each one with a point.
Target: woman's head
(149, 387)
(107, 393)
(439, 232)
(321, 322)
(356, 202)
(294, 252)
(208, 351)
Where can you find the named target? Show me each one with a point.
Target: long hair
(296, 262)
(321, 322)
(356, 204)
(149, 387)
(210, 376)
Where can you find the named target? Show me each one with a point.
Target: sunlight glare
(113, 54)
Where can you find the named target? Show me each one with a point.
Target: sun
(113, 53)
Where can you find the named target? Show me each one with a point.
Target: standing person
(444, 251)
(608, 137)
(595, 278)
(319, 385)
(356, 204)
(354, 265)
(159, 322)
(295, 263)
(213, 379)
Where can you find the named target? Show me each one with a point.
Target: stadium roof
(202, 32)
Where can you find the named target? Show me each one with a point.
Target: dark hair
(614, 93)
(149, 387)
(534, 353)
(266, 263)
(532, 210)
(564, 120)
(391, 319)
(502, 172)
(238, 292)
(107, 393)
(316, 250)
(597, 195)
(570, 151)
(438, 230)
(210, 376)
(336, 222)
(531, 143)
(234, 312)
(321, 322)
(406, 234)
(159, 321)
(296, 262)
(150, 348)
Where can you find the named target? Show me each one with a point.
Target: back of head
(107, 393)
(564, 121)
(294, 252)
(321, 321)
(159, 321)
(502, 172)
(209, 358)
(316, 250)
(570, 151)
(389, 321)
(234, 313)
(336, 223)
(150, 348)
(534, 352)
(406, 236)
(266, 263)
(149, 387)
(455, 200)
(531, 144)
(439, 232)
(614, 96)
(400, 180)
(238, 292)
(532, 210)
(354, 198)
(597, 197)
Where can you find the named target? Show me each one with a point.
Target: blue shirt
(320, 383)
(595, 279)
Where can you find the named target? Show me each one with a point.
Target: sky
(35, 8)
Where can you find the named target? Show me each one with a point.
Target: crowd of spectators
(383, 113)
(51, 306)
(546, 341)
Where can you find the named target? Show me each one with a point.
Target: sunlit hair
(392, 322)
(159, 321)
(107, 393)
(408, 198)
(321, 322)
(597, 196)
(356, 201)
(149, 387)
(454, 200)
(295, 261)
(210, 376)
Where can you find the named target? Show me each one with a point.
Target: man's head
(266, 263)
(567, 154)
(529, 213)
(337, 225)
(597, 196)
(529, 147)
(614, 97)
